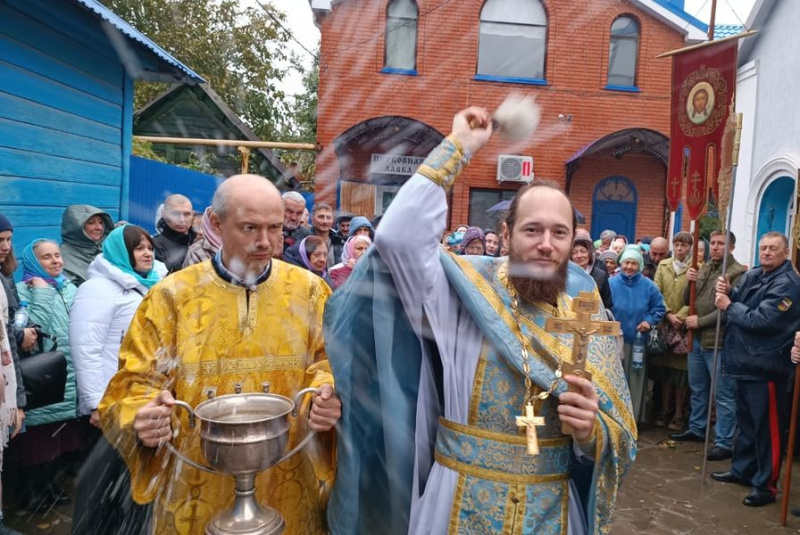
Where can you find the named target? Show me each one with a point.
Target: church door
(774, 212)
(614, 207)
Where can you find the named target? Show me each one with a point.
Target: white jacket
(101, 314)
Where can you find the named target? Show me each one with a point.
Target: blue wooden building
(67, 69)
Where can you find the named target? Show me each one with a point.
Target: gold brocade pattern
(194, 331)
(614, 444)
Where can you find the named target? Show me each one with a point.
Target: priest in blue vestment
(442, 361)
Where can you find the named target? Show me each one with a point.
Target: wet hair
(731, 235)
(312, 244)
(776, 234)
(293, 196)
(133, 235)
(511, 219)
(683, 237)
(321, 207)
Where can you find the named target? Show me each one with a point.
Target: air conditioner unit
(511, 168)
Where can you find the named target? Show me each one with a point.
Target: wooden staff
(787, 477)
(693, 284)
(737, 136)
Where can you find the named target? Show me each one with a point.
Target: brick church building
(394, 72)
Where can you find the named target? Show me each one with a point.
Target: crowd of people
(137, 321)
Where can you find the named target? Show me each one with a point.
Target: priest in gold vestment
(241, 317)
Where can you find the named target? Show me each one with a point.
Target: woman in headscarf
(53, 430)
(639, 307)
(609, 259)
(83, 229)
(104, 306)
(354, 249)
(312, 254)
(583, 255)
(207, 246)
(474, 242)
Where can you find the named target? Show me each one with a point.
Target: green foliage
(304, 124)
(203, 164)
(240, 51)
(710, 221)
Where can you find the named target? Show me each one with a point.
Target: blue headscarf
(32, 268)
(115, 252)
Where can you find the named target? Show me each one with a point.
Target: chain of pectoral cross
(529, 420)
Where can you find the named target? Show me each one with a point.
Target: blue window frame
(400, 56)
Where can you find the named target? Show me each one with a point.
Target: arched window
(401, 35)
(513, 39)
(623, 52)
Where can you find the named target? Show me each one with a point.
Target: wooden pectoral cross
(581, 327)
(530, 422)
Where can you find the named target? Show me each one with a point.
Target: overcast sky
(301, 24)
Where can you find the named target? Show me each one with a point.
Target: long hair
(9, 265)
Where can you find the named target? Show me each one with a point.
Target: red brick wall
(352, 89)
(648, 176)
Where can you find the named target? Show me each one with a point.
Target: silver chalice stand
(241, 435)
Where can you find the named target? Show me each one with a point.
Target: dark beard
(535, 290)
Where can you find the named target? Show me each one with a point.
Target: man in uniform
(240, 317)
(763, 312)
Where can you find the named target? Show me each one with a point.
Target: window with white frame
(513, 39)
(623, 52)
(401, 35)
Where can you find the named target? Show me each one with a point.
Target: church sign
(394, 164)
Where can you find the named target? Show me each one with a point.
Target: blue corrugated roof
(726, 30)
(683, 14)
(132, 33)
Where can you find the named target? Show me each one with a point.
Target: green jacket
(50, 308)
(77, 249)
(704, 300)
(672, 285)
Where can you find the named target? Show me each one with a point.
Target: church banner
(703, 85)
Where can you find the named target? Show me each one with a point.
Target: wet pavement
(663, 494)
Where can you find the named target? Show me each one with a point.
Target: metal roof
(726, 30)
(185, 73)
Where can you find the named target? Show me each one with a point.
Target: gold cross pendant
(530, 422)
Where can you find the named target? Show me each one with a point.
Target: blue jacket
(636, 299)
(762, 318)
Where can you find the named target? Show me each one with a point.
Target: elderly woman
(583, 255)
(83, 229)
(354, 249)
(670, 371)
(104, 306)
(638, 306)
(311, 254)
(474, 242)
(52, 430)
(609, 259)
